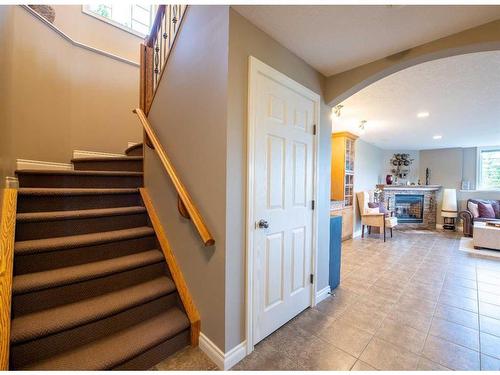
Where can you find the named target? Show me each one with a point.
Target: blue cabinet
(335, 250)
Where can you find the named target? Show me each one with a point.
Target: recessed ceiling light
(422, 114)
(437, 137)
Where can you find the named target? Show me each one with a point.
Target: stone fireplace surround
(430, 203)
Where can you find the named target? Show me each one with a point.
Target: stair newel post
(7, 238)
(146, 78)
(146, 84)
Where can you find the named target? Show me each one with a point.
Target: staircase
(91, 287)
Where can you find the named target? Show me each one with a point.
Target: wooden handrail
(184, 196)
(150, 39)
(7, 233)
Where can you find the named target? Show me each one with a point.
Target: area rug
(467, 246)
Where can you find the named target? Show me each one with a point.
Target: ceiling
(335, 38)
(460, 93)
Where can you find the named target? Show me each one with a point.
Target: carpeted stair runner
(91, 289)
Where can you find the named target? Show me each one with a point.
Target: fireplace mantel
(429, 192)
(417, 188)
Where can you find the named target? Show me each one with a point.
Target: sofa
(471, 215)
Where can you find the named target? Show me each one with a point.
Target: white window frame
(479, 178)
(87, 11)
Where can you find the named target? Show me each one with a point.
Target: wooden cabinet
(343, 167)
(342, 184)
(347, 221)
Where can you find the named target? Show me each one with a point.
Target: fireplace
(409, 208)
(417, 204)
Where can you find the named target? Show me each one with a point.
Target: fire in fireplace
(409, 208)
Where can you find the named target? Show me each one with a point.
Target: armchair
(371, 218)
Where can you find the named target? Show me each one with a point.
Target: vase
(388, 179)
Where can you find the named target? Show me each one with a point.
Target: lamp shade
(449, 207)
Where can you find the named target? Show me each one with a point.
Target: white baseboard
(11, 182)
(223, 360)
(356, 234)
(79, 154)
(42, 165)
(322, 294)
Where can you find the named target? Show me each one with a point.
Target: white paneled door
(284, 117)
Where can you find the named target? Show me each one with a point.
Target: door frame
(255, 67)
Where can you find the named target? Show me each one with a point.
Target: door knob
(263, 224)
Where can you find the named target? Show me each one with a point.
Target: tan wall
(5, 81)
(199, 113)
(96, 33)
(61, 97)
(482, 38)
(189, 116)
(244, 40)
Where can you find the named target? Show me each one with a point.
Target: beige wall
(189, 116)
(5, 81)
(96, 33)
(5, 25)
(448, 166)
(61, 97)
(244, 40)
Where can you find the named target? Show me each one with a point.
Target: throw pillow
(473, 209)
(486, 210)
(371, 211)
(381, 208)
(496, 208)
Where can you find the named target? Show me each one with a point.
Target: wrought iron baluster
(156, 62)
(173, 20)
(160, 40)
(164, 36)
(160, 54)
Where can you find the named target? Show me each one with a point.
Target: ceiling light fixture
(337, 109)
(437, 137)
(362, 125)
(423, 114)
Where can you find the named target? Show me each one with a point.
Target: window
(488, 168)
(136, 19)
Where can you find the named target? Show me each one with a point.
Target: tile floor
(413, 303)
